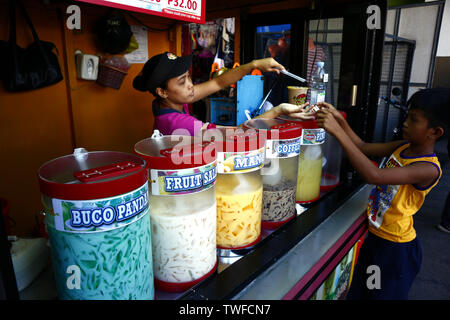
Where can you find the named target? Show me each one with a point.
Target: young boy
(411, 171)
(167, 77)
(444, 226)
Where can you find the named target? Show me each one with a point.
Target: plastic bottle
(318, 84)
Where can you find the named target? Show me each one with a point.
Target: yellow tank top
(391, 207)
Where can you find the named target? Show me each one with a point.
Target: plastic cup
(297, 95)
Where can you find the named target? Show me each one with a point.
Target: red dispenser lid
(275, 128)
(175, 152)
(304, 124)
(92, 175)
(235, 139)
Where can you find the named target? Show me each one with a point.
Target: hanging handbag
(29, 68)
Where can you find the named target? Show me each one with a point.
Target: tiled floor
(433, 280)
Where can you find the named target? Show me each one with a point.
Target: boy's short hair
(435, 103)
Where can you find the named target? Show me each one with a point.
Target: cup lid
(91, 175)
(304, 124)
(175, 152)
(276, 129)
(231, 139)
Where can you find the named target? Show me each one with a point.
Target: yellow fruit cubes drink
(309, 173)
(239, 207)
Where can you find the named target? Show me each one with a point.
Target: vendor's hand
(268, 65)
(299, 112)
(330, 108)
(325, 119)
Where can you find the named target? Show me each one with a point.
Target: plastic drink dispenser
(279, 173)
(240, 156)
(332, 158)
(310, 160)
(182, 175)
(97, 218)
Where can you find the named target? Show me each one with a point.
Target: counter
(294, 260)
(288, 263)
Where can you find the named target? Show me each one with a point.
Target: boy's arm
(421, 174)
(370, 149)
(231, 76)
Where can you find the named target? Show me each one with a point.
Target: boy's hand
(325, 119)
(297, 112)
(330, 108)
(268, 65)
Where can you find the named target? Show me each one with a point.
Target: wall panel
(36, 126)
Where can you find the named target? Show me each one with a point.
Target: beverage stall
(241, 213)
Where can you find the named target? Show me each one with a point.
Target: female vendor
(167, 77)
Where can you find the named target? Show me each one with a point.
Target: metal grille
(396, 72)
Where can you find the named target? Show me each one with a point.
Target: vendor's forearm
(206, 88)
(271, 114)
(234, 75)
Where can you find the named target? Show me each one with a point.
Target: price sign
(186, 10)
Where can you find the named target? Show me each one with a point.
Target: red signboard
(186, 10)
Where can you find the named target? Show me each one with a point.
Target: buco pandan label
(183, 181)
(232, 162)
(87, 216)
(313, 136)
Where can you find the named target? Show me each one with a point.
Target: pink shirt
(170, 121)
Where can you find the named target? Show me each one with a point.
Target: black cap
(160, 68)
